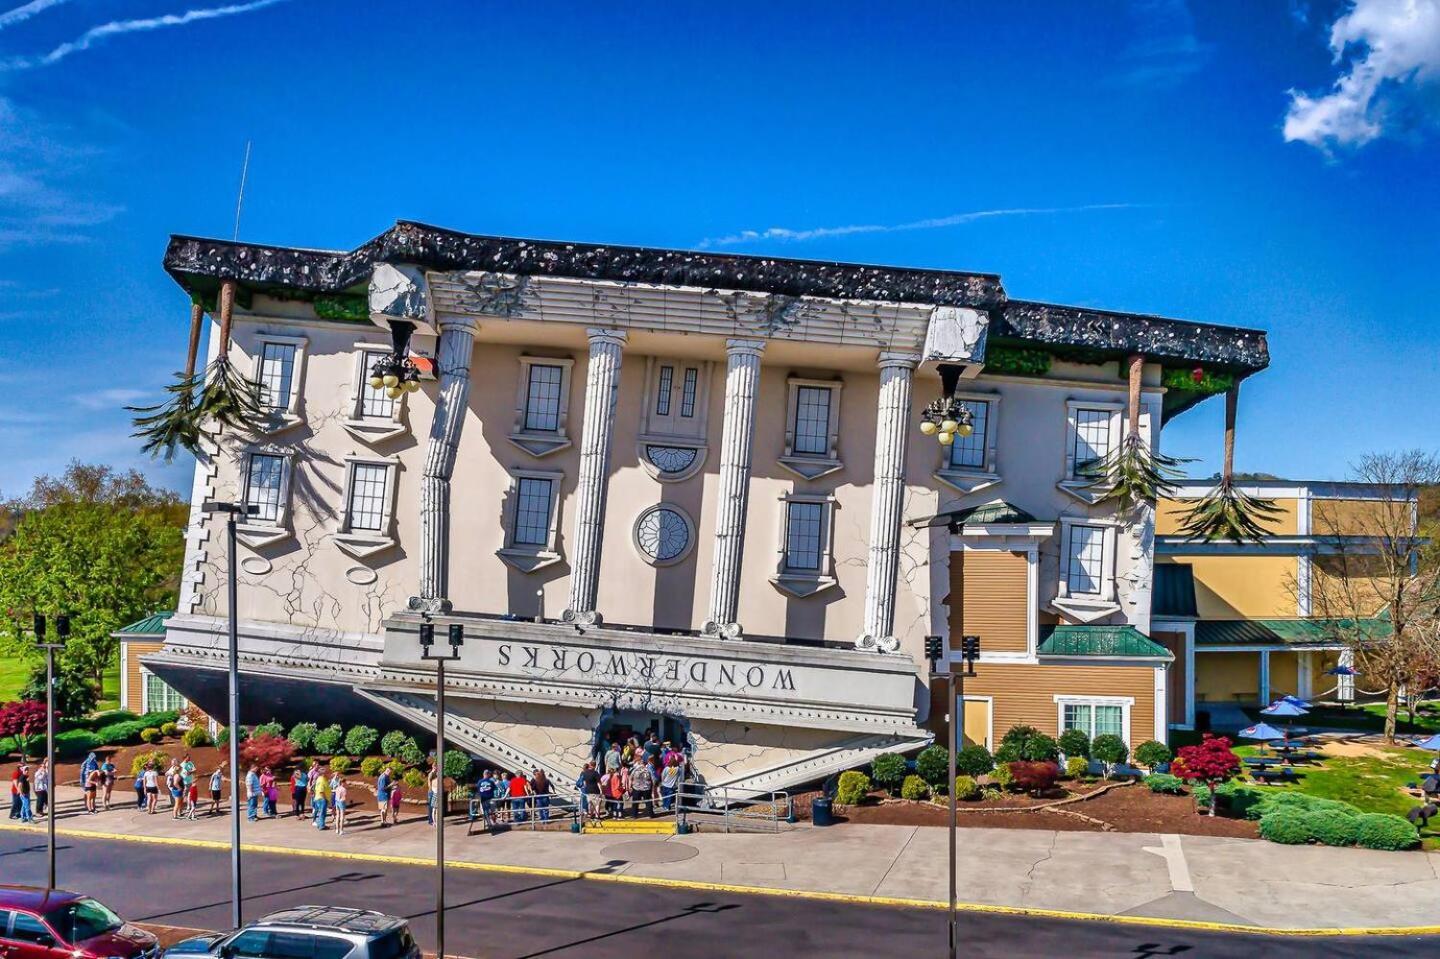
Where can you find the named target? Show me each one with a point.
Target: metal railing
(735, 808)
(557, 811)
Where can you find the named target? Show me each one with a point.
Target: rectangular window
(367, 497)
(263, 486)
(662, 392)
(532, 512)
(687, 392)
(277, 374)
(812, 420)
(1078, 716)
(803, 535)
(1092, 440)
(542, 398)
(374, 404)
(1087, 559)
(1094, 719)
(968, 452)
(158, 695)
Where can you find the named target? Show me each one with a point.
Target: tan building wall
(1169, 516)
(134, 684)
(1025, 694)
(989, 599)
(1358, 517)
(1284, 674)
(1244, 587)
(1227, 677)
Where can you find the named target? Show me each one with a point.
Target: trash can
(820, 813)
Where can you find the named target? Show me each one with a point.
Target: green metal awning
(152, 625)
(986, 514)
(1174, 591)
(1287, 632)
(1125, 642)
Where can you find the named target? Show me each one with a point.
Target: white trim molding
(812, 465)
(1087, 607)
(542, 442)
(363, 543)
(1086, 489)
(804, 582)
(672, 446)
(690, 535)
(1081, 699)
(278, 420)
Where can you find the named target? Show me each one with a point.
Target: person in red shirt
(519, 791)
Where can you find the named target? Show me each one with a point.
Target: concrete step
(630, 827)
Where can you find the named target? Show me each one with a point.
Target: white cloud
(27, 10)
(788, 235)
(40, 163)
(117, 27)
(112, 399)
(1390, 52)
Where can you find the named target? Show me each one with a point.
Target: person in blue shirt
(382, 795)
(252, 794)
(485, 792)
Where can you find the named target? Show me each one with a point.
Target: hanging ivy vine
(1017, 361)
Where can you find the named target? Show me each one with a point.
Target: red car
(54, 924)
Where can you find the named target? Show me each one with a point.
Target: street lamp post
(955, 683)
(427, 645)
(62, 631)
(232, 511)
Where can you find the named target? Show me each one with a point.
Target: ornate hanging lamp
(947, 417)
(395, 372)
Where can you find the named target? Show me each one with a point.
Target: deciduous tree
(1211, 762)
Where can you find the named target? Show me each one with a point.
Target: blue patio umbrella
(1283, 707)
(1295, 701)
(1432, 744)
(1261, 731)
(1342, 670)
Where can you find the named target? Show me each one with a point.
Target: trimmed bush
(1110, 750)
(933, 765)
(159, 757)
(169, 729)
(1152, 753)
(360, 740)
(272, 728)
(973, 760)
(852, 787)
(914, 788)
(77, 742)
(1165, 783)
(160, 717)
(1035, 778)
(1076, 767)
(1074, 744)
(222, 736)
(410, 753)
(966, 788)
(267, 749)
(120, 734)
(150, 735)
(391, 742)
(416, 780)
(1002, 777)
(1236, 799)
(1331, 828)
(1383, 831)
(370, 766)
(1040, 749)
(111, 716)
(302, 736)
(329, 740)
(457, 764)
(8, 745)
(1297, 802)
(888, 770)
(340, 764)
(195, 737)
(1027, 744)
(1285, 826)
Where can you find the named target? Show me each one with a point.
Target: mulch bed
(1122, 808)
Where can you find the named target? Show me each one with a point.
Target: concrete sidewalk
(1191, 878)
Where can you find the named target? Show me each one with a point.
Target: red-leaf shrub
(1035, 778)
(25, 720)
(1211, 762)
(267, 750)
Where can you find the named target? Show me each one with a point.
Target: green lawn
(15, 671)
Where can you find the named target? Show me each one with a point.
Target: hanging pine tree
(1134, 473)
(1227, 512)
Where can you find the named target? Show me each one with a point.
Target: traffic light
(934, 646)
(427, 634)
(970, 651)
(62, 626)
(457, 635)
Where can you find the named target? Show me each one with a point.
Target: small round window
(663, 534)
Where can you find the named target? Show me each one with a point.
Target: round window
(663, 534)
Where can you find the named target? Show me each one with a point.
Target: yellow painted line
(700, 886)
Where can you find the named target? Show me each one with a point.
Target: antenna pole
(240, 200)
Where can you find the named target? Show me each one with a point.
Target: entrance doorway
(617, 726)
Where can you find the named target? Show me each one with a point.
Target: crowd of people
(632, 776)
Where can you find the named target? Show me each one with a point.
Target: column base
(879, 644)
(581, 617)
(429, 605)
(722, 630)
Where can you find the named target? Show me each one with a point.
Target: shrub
(23, 721)
(329, 740)
(1330, 827)
(272, 728)
(933, 764)
(195, 737)
(150, 735)
(410, 753)
(1211, 761)
(1076, 767)
(1110, 750)
(1074, 744)
(1028, 744)
(914, 788)
(159, 757)
(340, 764)
(110, 716)
(1236, 798)
(120, 734)
(160, 717)
(1165, 783)
(1296, 802)
(1383, 831)
(222, 736)
(75, 693)
(888, 770)
(302, 735)
(852, 787)
(360, 740)
(391, 742)
(169, 729)
(991, 794)
(267, 749)
(1002, 777)
(370, 766)
(1035, 778)
(1151, 754)
(966, 788)
(457, 764)
(8, 745)
(1284, 826)
(973, 760)
(415, 779)
(77, 742)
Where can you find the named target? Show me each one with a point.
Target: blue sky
(1215, 162)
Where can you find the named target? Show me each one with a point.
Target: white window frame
(283, 418)
(970, 479)
(542, 442)
(812, 465)
(362, 543)
(806, 582)
(1085, 488)
(524, 556)
(1124, 702)
(372, 429)
(146, 678)
(673, 430)
(680, 557)
(1088, 607)
(255, 532)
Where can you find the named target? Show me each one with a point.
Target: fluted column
(457, 341)
(737, 443)
(892, 427)
(602, 382)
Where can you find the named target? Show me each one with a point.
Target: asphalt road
(494, 915)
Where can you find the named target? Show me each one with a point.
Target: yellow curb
(697, 885)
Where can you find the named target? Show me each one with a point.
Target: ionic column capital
(743, 347)
(605, 336)
(898, 358)
(460, 324)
